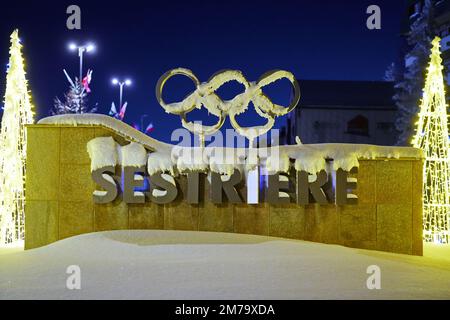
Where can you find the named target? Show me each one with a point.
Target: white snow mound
(194, 265)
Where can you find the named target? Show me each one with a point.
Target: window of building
(358, 126)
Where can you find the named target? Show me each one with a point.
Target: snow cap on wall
(310, 158)
(190, 159)
(103, 152)
(159, 162)
(133, 155)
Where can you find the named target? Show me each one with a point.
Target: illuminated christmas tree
(17, 113)
(432, 137)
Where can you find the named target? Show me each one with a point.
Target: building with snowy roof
(331, 111)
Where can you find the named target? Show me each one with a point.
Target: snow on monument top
(165, 157)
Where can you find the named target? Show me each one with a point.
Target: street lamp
(121, 84)
(89, 47)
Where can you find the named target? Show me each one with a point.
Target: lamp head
(72, 46)
(90, 47)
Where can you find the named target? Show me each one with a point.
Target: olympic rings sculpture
(205, 95)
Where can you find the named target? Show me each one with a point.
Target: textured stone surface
(394, 225)
(41, 223)
(358, 223)
(321, 223)
(75, 218)
(367, 182)
(102, 132)
(287, 221)
(74, 150)
(215, 218)
(76, 183)
(394, 182)
(148, 216)
(181, 216)
(417, 207)
(112, 216)
(43, 159)
(252, 219)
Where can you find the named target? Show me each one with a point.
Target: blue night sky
(323, 39)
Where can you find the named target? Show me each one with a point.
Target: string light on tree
(432, 137)
(18, 112)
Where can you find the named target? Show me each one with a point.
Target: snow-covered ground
(191, 265)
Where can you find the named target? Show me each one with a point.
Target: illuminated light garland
(17, 113)
(432, 137)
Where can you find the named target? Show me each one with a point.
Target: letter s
(103, 177)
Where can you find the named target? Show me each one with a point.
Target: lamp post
(81, 50)
(121, 85)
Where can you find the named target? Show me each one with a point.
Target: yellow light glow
(432, 137)
(13, 143)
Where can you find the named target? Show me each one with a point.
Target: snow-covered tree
(18, 112)
(409, 87)
(432, 137)
(391, 74)
(75, 100)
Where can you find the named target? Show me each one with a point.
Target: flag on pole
(113, 111)
(123, 110)
(86, 81)
(150, 128)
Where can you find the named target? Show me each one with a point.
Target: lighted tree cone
(432, 137)
(13, 143)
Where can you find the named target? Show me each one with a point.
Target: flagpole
(121, 85)
(142, 122)
(80, 53)
(81, 50)
(121, 93)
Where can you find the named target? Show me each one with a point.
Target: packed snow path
(191, 265)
